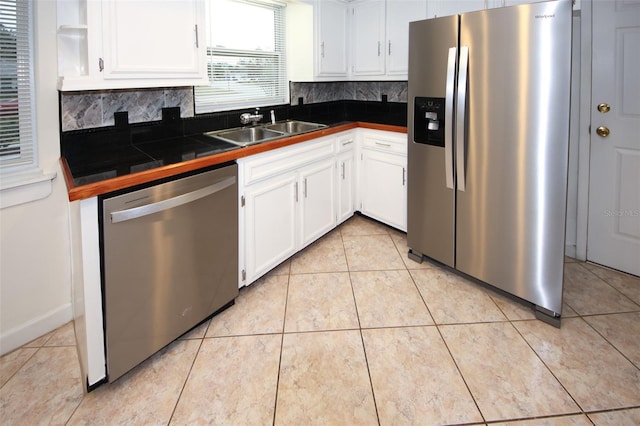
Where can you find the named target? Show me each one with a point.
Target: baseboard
(35, 328)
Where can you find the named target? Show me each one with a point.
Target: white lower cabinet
(383, 178)
(290, 197)
(270, 213)
(316, 195)
(346, 177)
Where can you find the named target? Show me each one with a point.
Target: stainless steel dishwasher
(170, 261)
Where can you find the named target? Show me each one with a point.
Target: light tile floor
(349, 331)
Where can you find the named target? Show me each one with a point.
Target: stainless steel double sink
(245, 136)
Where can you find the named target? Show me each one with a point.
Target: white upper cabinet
(331, 38)
(436, 8)
(399, 14)
(376, 32)
(111, 46)
(368, 37)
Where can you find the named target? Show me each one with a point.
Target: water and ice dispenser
(429, 121)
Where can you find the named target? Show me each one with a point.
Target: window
(16, 84)
(246, 55)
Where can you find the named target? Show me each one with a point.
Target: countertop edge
(81, 192)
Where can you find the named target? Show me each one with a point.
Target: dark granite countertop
(103, 160)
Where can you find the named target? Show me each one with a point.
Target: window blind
(246, 56)
(16, 84)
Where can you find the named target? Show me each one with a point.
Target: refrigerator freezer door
(511, 216)
(430, 203)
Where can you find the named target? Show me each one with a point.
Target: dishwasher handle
(147, 209)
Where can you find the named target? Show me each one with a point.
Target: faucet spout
(247, 117)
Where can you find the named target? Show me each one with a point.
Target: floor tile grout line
(364, 350)
(37, 349)
(582, 410)
(590, 272)
(607, 340)
(284, 320)
(464, 380)
(184, 385)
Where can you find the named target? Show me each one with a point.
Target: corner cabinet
(291, 196)
(365, 39)
(331, 24)
(383, 177)
(368, 37)
(105, 45)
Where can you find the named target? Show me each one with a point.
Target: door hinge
(244, 275)
(242, 201)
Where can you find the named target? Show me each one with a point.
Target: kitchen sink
(246, 136)
(294, 127)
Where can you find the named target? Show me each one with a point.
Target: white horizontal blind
(17, 145)
(246, 56)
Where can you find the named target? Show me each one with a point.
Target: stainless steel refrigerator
(488, 112)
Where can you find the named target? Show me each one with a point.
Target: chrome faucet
(247, 117)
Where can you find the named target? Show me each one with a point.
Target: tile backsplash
(93, 109)
(86, 110)
(315, 92)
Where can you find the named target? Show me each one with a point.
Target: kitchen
(46, 241)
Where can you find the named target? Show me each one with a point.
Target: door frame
(584, 149)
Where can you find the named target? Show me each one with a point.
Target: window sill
(20, 188)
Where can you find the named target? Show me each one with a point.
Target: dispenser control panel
(428, 121)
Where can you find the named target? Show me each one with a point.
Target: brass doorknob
(604, 108)
(603, 131)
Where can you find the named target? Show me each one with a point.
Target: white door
(317, 200)
(270, 224)
(614, 188)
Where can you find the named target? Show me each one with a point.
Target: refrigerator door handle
(448, 117)
(461, 106)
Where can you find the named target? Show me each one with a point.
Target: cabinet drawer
(272, 163)
(392, 143)
(346, 142)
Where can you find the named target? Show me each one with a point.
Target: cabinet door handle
(389, 47)
(305, 188)
(196, 31)
(345, 143)
(404, 176)
(100, 64)
(322, 49)
(342, 170)
(386, 145)
(379, 48)
(295, 192)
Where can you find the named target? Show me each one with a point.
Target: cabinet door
(270, 224)
(399, 14)
(331, 38)
(317, 200)
(367, 31)
(436, 8)
(384, 189)
(169, 43)
(345, 185)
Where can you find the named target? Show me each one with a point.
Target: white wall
(35, 277)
